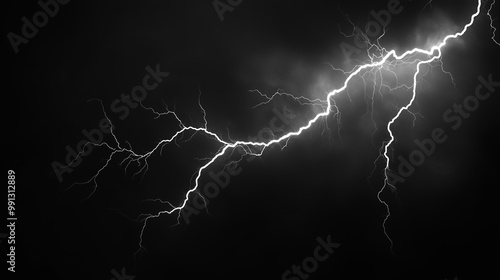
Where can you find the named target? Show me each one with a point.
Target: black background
(444, 220)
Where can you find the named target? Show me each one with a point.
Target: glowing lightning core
(328, 106)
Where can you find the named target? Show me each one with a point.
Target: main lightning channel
(435, 53)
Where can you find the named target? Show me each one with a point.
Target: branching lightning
(380, 59)
(493, 29)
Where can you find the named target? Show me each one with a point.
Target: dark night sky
(444, 220)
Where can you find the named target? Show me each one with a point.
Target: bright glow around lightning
(380, 58)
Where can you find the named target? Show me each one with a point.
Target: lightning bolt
(380, 58)
(493, 29)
